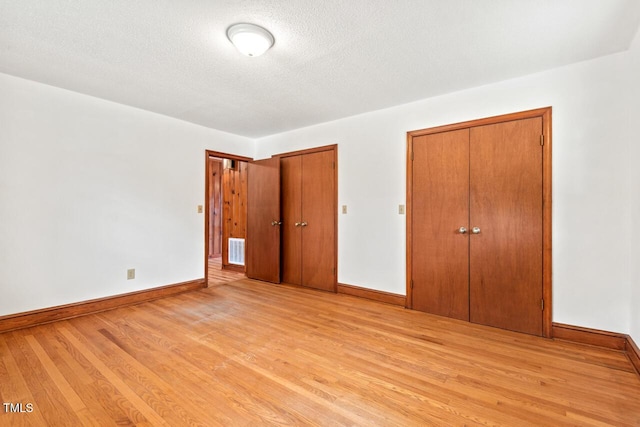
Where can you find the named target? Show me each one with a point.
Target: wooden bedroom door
(263, 220)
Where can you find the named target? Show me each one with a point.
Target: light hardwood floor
(250, 353)
(218, 276)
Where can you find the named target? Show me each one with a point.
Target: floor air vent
(236, 251)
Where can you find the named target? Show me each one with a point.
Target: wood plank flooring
(217, 275)
(249, 353)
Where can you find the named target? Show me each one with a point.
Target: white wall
(591, 207)
(90, 188)
(634, 191)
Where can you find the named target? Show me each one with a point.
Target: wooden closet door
(291, 173)
(440, 182)
(263, 218)
(318, 218)
(506, 204)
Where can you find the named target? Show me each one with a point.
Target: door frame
(207, 184)
(545, 114)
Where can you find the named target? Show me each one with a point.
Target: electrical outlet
(344, 209)
(401, 209)
(131, 273)
(199, 208)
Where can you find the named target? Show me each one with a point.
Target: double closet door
(308, 220)
(291, 225)
(477, 224)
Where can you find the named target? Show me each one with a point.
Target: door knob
(304, 224)
(274, 223)
(462, 230)
(297, 224)
(475, 230)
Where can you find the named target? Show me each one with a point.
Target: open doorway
(225, 216)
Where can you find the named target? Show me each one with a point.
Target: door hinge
(333, 165)
(412, 155)
(542, 304)
(411, 284)
(541, 139)
(334, 271)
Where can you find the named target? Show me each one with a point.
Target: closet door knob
(304, 224)
(475, 230)
(462, 230)
(297, 224)
(274, 223)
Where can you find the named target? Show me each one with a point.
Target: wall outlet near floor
(131, 273)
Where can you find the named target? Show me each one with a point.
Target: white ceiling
(331, 59)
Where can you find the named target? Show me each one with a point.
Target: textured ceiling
(331, 59)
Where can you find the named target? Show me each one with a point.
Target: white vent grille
(236, 251)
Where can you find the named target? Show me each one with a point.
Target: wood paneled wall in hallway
(234, 205)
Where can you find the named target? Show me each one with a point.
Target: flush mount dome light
(250, 39)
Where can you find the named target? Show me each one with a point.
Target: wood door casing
(291, 170)
(506, 204)
(318, 213)
(263, 208)
(440, 269)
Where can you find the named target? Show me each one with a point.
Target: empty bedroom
(363, 213)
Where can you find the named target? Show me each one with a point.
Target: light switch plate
(344, 209)
(199, 208)
(401, 209)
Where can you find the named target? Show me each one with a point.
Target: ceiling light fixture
(250, 39)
